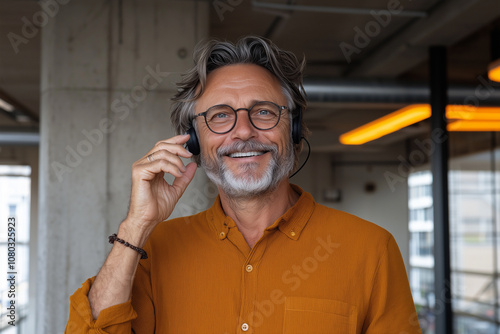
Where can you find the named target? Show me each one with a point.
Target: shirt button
(249, 269)
(244, 327)
(222, 235)
(292, 233)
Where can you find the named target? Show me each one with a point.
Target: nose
(243, 129)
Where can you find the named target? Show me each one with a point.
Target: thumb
(180, 183)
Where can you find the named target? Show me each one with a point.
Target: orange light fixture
(494, 71)
(468, 113)
(467, 118)
(390, 123)
(463, 125)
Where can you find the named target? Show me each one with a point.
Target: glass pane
(473, 200)
(15, 203)
(422, 247)
(422, 286)
(474, 294)
(469, 325)
(471, 215)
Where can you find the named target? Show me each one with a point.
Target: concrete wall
(108, 74)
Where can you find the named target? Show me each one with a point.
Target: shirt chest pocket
(312, 315)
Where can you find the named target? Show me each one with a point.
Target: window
(15, 185)
(474, 197)
(12, 210)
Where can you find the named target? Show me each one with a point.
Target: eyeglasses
(222, 118)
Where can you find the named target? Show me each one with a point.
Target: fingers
(174, 145)
(153, 198)
(165, 157)
(179, 139)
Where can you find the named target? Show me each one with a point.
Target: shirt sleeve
(134, 316)
(142, 299)
(391, 309)
(113, 320)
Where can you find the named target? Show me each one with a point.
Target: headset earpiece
(193, 145)
(297, 125)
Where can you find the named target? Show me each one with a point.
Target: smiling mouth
(246, 154)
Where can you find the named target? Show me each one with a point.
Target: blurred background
(85, 90)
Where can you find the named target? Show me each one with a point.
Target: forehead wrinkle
(229, 82)
(241, 74)
(235, 84)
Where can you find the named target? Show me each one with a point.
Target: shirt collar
(291, 223)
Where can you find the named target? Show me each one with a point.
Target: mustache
(246, 146)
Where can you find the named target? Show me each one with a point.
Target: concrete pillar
(108, 73)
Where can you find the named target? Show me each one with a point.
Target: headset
(193, 144)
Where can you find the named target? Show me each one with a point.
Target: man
(265, 258)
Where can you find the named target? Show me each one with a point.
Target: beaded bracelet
(114, 237)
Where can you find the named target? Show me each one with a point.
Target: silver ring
(150, 157)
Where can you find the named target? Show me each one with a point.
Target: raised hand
(152, 198)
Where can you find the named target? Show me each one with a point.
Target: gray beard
(248, 185)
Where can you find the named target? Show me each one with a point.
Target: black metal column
(439, 163)
(495, 54)
(495, 43)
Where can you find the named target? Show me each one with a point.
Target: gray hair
(213, 54)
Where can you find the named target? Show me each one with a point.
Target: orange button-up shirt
(315, 270)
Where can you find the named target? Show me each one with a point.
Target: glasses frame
(204, 114)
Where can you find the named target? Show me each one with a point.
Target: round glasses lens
(220, 118)
(265, 115)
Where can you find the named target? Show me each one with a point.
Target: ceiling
(342, 39)
(19, 72)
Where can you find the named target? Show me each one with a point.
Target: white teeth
(245, 154)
